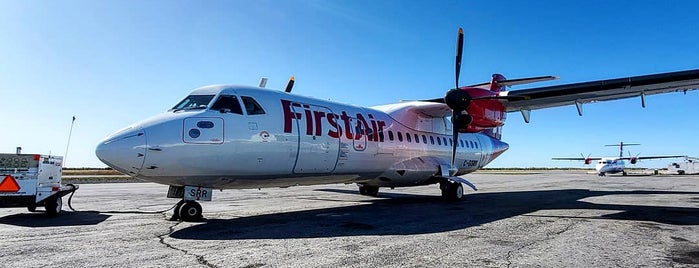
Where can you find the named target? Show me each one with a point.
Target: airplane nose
(124, 151)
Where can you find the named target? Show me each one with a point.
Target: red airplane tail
(495, 86)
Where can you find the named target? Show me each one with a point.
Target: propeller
(587, 162)
(457, 99)
(633, 159)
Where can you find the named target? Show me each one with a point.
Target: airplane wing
(576, 158)
(602, 90)
(654, 157)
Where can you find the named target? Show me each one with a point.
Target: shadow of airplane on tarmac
(403, 214)
(66, 218)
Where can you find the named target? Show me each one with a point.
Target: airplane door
(317, 152)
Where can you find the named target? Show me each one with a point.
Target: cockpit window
(193, 102)
(227, 104)
(251, 106)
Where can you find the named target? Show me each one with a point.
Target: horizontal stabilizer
(518, 81)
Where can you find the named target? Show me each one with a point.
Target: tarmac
(521, 219)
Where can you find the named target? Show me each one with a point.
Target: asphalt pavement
(546, 219)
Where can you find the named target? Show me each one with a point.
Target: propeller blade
(457, 99)
(289, 85)
(459, 52)
(455, 137)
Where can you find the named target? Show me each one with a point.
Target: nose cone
(124, 151)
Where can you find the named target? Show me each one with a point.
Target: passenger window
(381, 136)
(417, 139)
(251, 106)
(431, 139)
(424, 139)
(444, 140)
(451, 142)
(400, 136)
(390, 135)
(227, 104)
(476, 143)
(407, 137)
(471, 142)
(439, 141)
(461, 142)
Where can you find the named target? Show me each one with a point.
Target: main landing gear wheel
(31, 208)
(623, 173)
(190, 211)
(368, 190)
(53, 206)
(452, 191)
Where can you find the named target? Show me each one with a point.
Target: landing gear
(368, 190)
(452, 191)
(623, 173)
(188, 210)
(53, 206)
(601, 174)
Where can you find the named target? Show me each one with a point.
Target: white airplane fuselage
(610, 165)
(295, 140)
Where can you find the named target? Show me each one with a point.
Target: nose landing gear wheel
(190, 211)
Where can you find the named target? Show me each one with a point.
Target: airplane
(613, 165)
(247, 137)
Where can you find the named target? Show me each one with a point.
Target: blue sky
(112, 63)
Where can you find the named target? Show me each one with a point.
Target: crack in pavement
(549, 236)
(200, 258)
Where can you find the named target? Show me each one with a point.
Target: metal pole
(70, 133)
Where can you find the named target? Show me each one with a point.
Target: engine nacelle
(485, 113)
(588, 161)
(633, 160)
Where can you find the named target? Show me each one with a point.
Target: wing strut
(578, 105)
(526, 114)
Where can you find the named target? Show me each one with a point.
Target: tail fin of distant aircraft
(621, 147)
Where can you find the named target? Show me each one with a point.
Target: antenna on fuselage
(263, 82)
(289, 85)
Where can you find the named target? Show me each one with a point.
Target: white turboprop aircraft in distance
(614, 165)
(244, 137)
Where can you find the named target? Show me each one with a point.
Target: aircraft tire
(453, 191)
(176, 211)
(31, 208)
(190, 211)
(53, 206)
(680, 172)
(624, 173)
(368, 190)
(372, 190)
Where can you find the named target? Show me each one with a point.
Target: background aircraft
(233, 137)
(614, 164)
